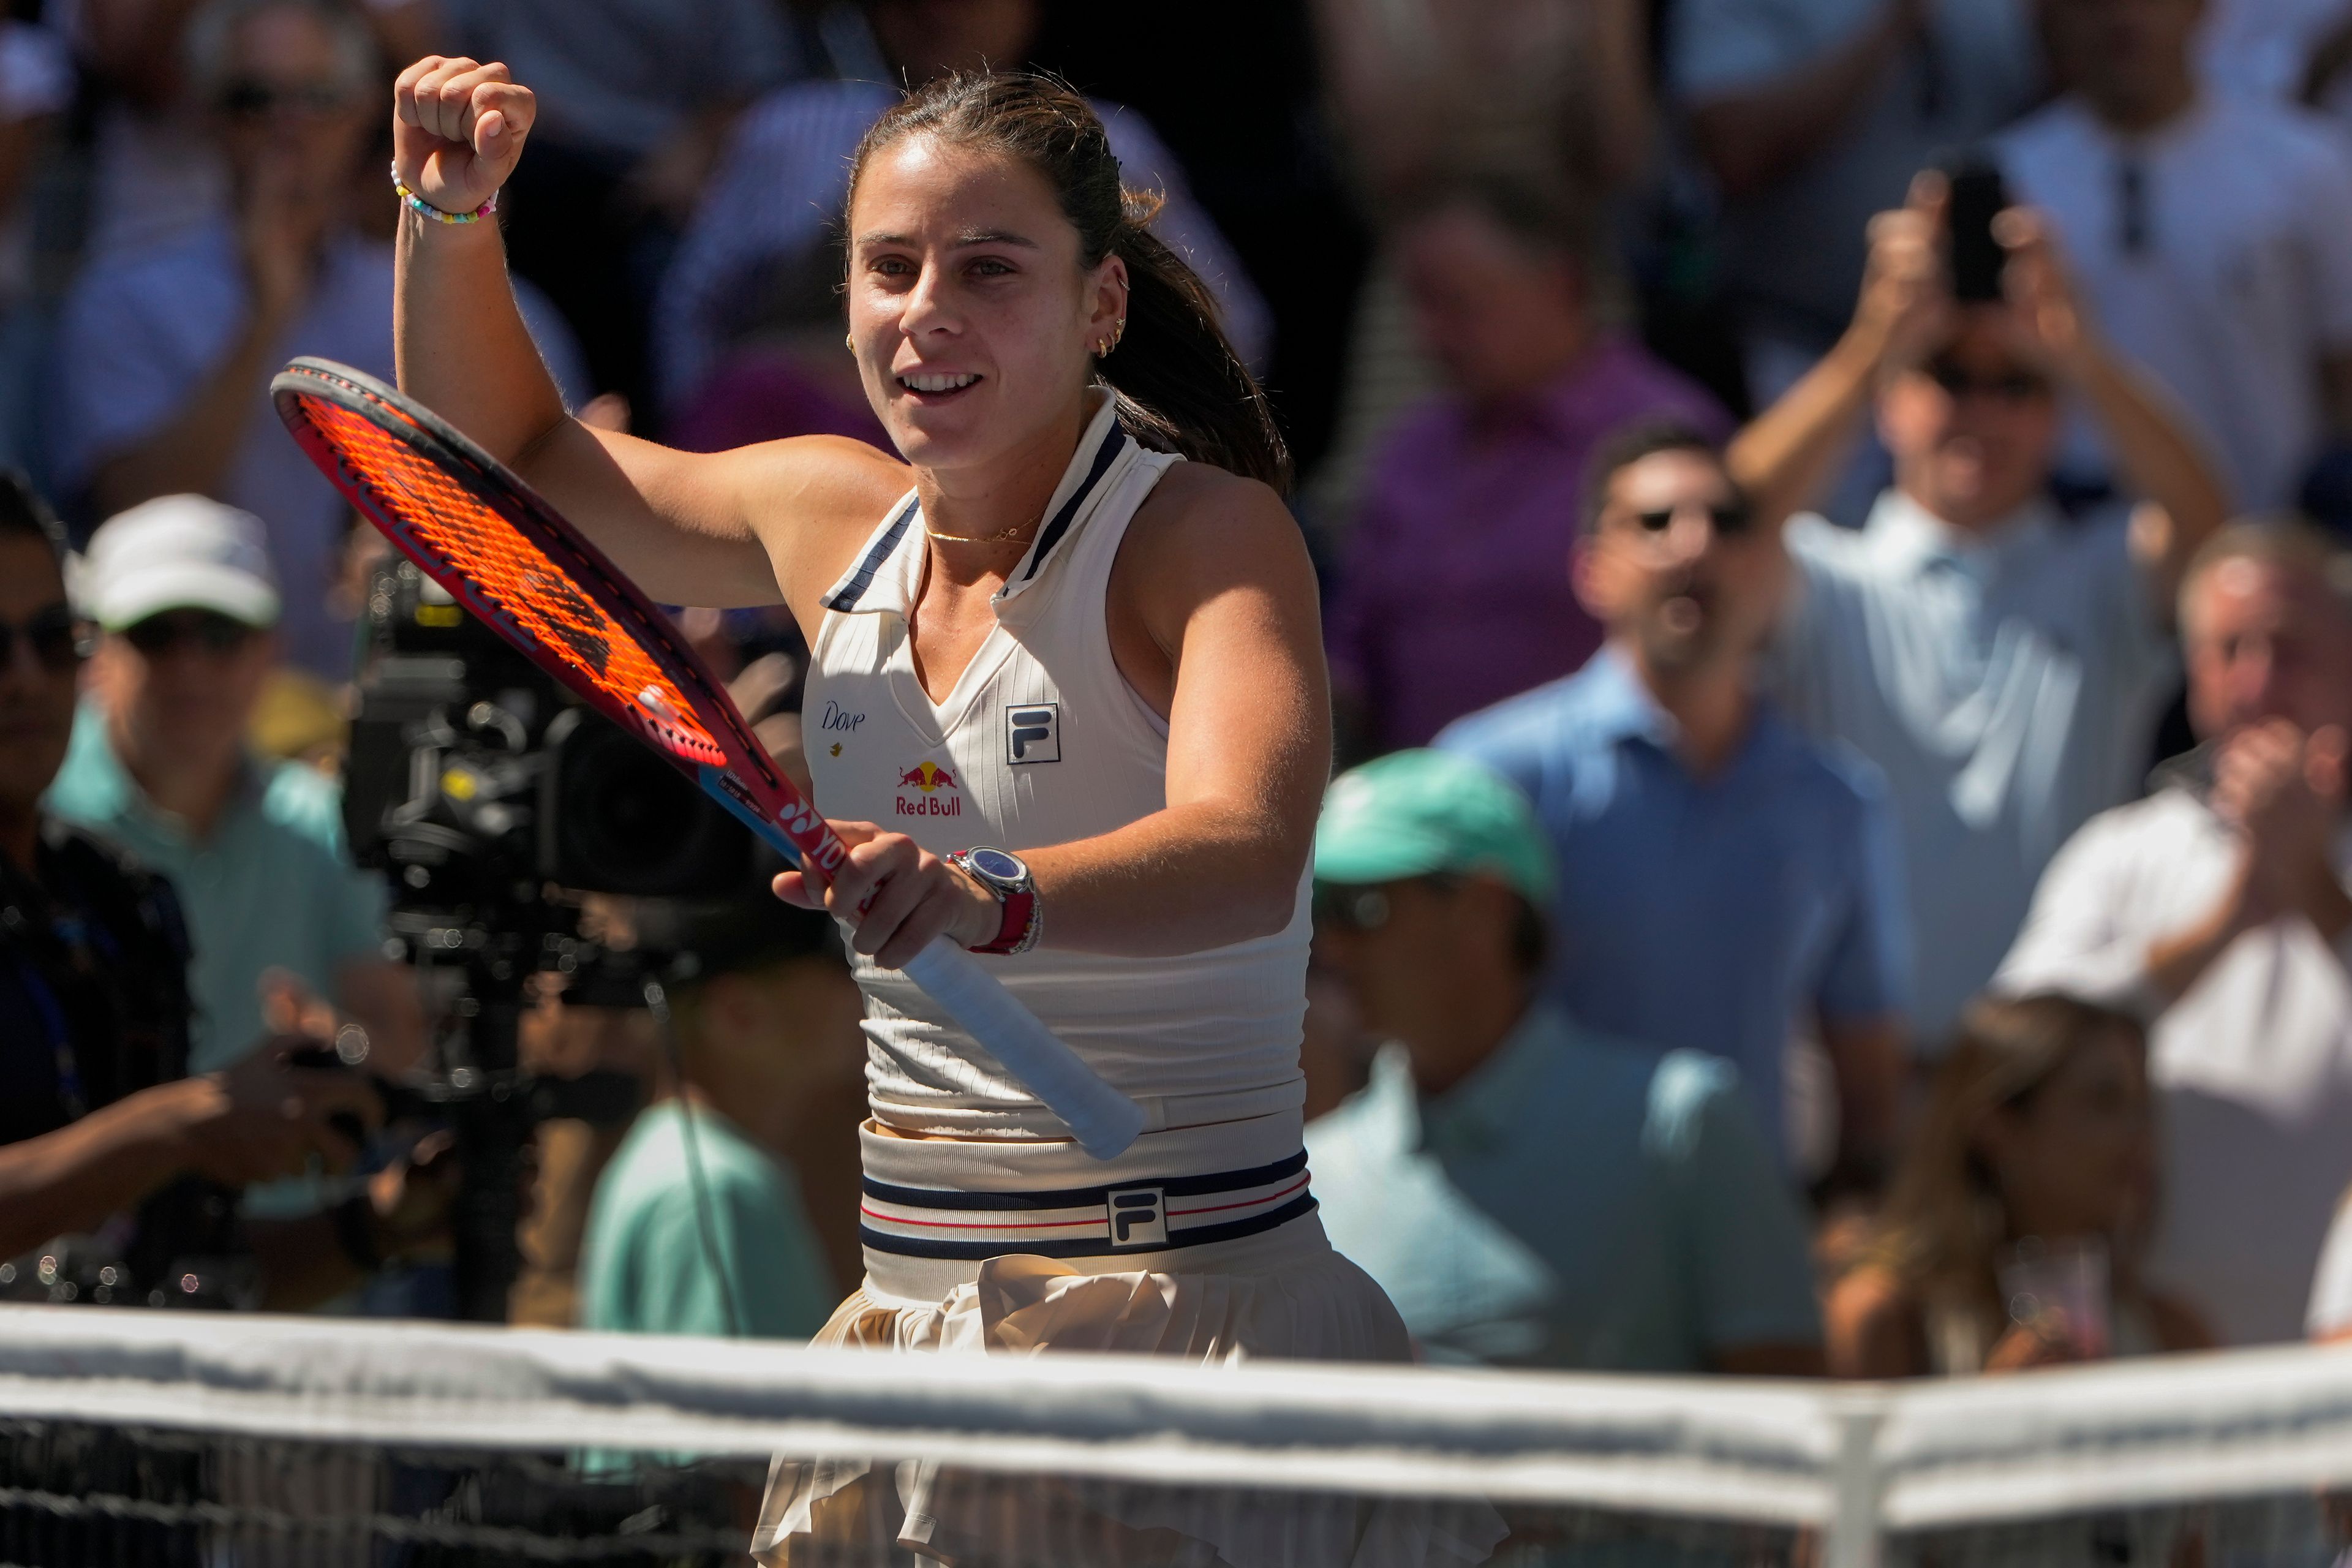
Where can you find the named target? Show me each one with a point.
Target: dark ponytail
(1181, 386)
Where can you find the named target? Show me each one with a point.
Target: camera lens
(625, 821)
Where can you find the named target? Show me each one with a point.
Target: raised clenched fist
(457, 127)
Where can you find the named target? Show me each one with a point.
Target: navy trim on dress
(1085, 1197)
(854, 588)
(1090, 1246)
(1052, 533)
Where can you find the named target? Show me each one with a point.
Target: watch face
(997, 865)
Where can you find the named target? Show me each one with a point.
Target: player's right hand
(457, 128)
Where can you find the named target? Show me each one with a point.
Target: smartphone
(1975, 257)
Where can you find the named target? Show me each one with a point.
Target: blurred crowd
(1837, 526)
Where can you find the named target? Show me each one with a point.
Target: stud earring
(849, 343)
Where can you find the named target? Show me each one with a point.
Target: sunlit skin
(2078, 1158)
(37, 703)
(1499, 316)
(1975, 459)
(1689, 596)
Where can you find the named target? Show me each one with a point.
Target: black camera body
(491, 799)
(474, 779)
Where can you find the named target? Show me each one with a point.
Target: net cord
(1924, 1456)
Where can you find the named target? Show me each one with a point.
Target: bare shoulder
(821, 478)
(813, 500)
(1204, 523)
(1872, 1318)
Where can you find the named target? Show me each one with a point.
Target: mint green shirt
(272, 887)
(644, 1267)
(1576, 1202)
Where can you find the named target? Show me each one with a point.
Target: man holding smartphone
(2002, 664)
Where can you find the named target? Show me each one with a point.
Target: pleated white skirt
(1284, 1293)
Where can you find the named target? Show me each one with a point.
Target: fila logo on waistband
(1139, 1217)
(1033, 733)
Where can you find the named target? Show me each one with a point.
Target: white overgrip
(1105, 1120)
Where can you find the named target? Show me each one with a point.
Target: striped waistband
(1140, 1215)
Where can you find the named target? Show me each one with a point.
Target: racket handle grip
(1105, 1120)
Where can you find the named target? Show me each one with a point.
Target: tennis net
(172, 1439)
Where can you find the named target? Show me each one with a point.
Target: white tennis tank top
(1042, 741)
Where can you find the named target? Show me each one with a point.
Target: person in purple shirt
(1452, 591)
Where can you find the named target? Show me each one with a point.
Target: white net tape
(2059, 1466)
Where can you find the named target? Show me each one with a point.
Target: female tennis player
(1068, 707)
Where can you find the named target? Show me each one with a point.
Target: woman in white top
(1046, 633)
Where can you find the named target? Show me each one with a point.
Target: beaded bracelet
(426, 209)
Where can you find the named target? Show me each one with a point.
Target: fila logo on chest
(1033, 733)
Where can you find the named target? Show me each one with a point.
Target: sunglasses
(1728, 519)
(214, 634)
(1353, 906)
(259, 100)
(54, 636)
(2011, 386)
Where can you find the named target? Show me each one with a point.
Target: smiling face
(971, 312)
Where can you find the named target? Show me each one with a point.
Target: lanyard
(61, 1051)
(78, 936)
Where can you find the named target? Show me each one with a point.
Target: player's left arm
(1214, 623)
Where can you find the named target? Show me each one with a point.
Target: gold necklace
(976, 538)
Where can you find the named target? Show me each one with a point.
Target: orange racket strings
(514, 577)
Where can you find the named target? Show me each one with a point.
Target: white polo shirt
(2241, 278)
(2253, 1065)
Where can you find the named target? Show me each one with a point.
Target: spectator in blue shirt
(1726, 885)
(1530, 1192)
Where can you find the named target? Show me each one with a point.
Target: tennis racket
(508, 556)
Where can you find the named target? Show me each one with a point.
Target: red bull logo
(929, 778)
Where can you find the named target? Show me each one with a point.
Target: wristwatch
(1006, 875)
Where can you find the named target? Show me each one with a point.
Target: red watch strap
(1017, 907)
